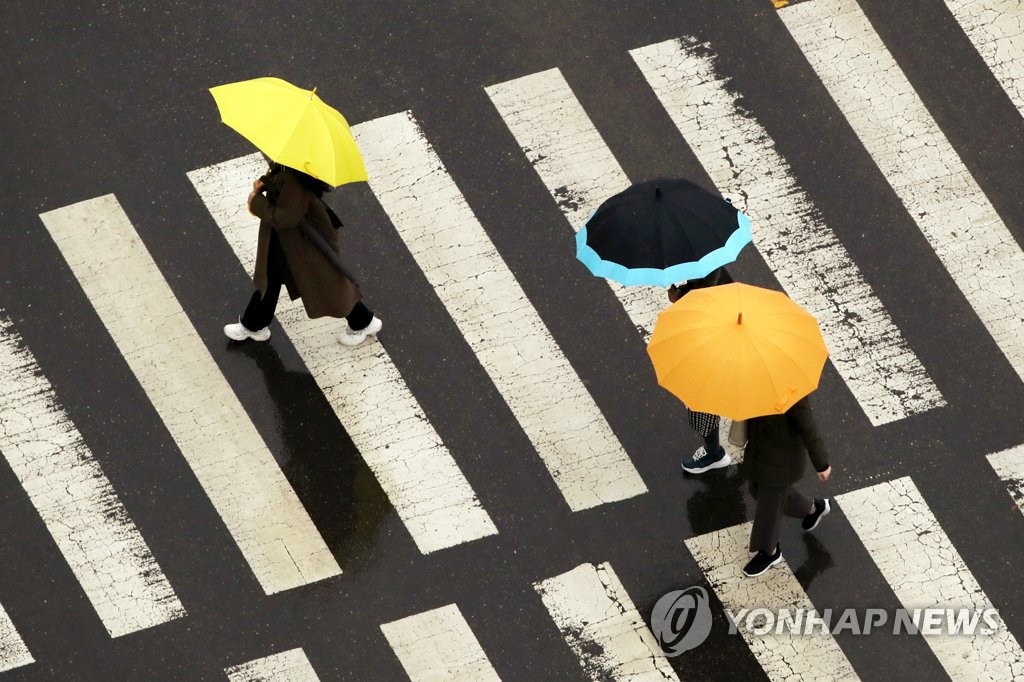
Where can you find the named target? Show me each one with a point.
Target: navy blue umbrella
(661, 232)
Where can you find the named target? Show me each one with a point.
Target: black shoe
(762, 561)
(703, 461)
(811, 521)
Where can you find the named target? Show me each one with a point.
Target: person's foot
(350, 337)
(762, 561)
(702, 461)
(821, 510)
(239, 332)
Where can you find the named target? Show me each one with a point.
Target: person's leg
(764, 532)
(797, 504)
(712, 455)
(260, 311)
(360, 317)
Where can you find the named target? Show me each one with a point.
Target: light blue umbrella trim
(667, 276)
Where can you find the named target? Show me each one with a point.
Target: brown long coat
(779, 445)
(324, 288)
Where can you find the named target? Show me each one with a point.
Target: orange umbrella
(737, 351)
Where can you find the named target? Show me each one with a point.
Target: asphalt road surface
(491, 488)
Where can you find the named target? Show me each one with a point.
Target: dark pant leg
(764, 535)
(712, 445)
(260, 310)
(797, 505)
(360, 317)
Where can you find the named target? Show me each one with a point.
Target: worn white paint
(785, 656)
(497, 320)
(574, 163)
(362, 385)
(76, 501)
(923, 568)
(13, 652)
(439, 646)
(1009, 466)
(287, 666)
(996, 28)
(602, 626)
(191, 396)
(813, 267)
(930, 179)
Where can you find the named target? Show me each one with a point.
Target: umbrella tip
(739, 318)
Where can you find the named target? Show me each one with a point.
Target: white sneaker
(354, 338)
(239, 332)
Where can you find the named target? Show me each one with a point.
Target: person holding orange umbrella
(752, 354)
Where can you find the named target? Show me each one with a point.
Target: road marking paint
(813, 267)
(916, 158)
(195, 402)
(13, 652)
(572, 160)
(924, 569)
(363, 387)
(497, 320)
(602, 626)
(1009, 466)
(287, 666)
(76, 501)
(996, 28)
(786, 655)
(438, 645)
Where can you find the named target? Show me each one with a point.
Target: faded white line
(813, 267)
(437, 646)
(916, 158)
(572, 160)
(996, 28)
(602, 626)
(924, 569)
(195, 402)
(1009, 466)
(363, 386)
(76, 501)
(287, 666)
(13, 652)
(497, 320)
(784, 656)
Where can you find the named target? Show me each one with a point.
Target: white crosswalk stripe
(918, 161)
(363, 386)
(496, 319)
(287, 666)
(438, 646)
(13, 652)
(782, 655)
(195, 402)
(1009, 466)
(75, 499)
(571, 158)
(996, 28)
(602, 626)
(924, 569)
(814, 268)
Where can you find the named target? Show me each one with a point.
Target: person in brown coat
(298, 247)
(777, 447)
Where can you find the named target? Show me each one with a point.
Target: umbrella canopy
(661, 232)
(738, 351)
(292, 126)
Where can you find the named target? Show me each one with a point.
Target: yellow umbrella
(293, 127)
(737, 351)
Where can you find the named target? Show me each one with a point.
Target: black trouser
(260, 310)
(772, 503)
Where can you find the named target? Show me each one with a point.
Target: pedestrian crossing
(590, 608)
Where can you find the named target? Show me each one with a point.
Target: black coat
(778, 446)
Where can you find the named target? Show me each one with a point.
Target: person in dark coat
(711, 455)
(777, 447)
(298, 247)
